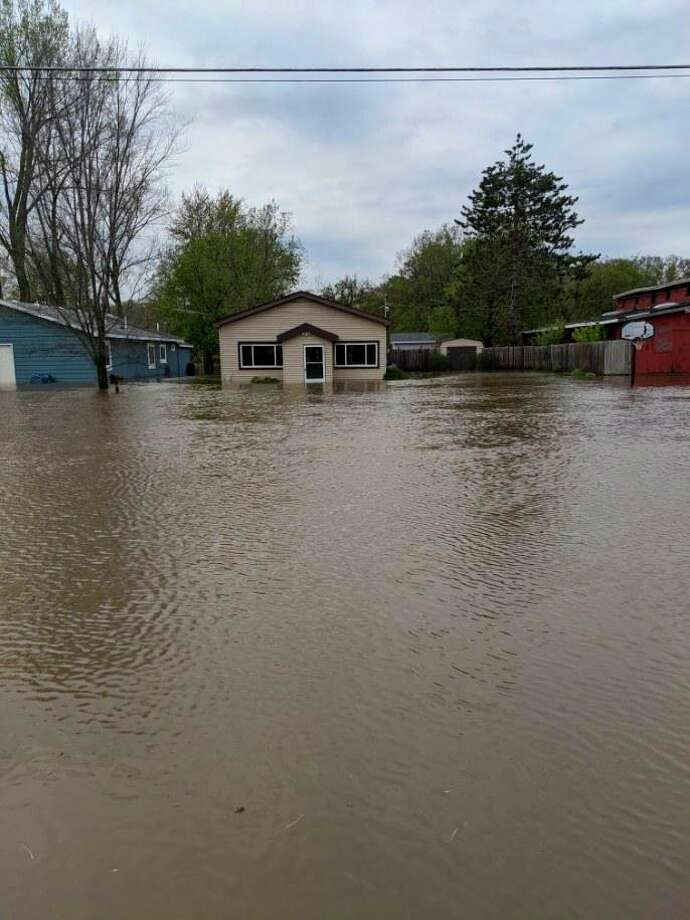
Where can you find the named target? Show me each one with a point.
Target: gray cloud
(363, 168)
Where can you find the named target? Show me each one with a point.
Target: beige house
(302, 338)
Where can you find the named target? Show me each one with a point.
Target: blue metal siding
(130, 360)
(42, 347)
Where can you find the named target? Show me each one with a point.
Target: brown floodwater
(412, 652)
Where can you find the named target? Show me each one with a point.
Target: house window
(109, 353)
(260, 354)
(163, 353)
(151, 353)
(357, 354)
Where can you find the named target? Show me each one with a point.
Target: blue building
(37, 344)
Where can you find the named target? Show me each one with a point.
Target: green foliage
(363, 295)
(393, 372)
(579, 374)
(520, 219)
(225, 257)
(265, 380)
(418, 293)
(589, 292)
(589, 334)
(553, 335)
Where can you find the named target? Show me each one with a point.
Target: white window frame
(253, 366)
(109, 353)
(345, 344)
(151, 350)
(163, 353)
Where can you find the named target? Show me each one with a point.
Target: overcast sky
(363, 168)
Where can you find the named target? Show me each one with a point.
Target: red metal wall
(678, 292)
(669, 351)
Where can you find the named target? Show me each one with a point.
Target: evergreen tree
(521, 220)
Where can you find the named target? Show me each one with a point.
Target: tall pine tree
(520, 218)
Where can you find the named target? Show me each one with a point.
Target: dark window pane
(371, 354)
(314, 371)
(356, 354)
(279, 355)
(340, 355)
(246, 355)
(314, 353)
(264, 356)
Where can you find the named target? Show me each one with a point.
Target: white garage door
(7, 377)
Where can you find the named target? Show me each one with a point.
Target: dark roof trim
(680, 282)
(306, 328)
(301, 295)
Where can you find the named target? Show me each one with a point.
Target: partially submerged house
(38, 344)
(302, 338)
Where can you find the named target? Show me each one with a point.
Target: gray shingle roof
(115, 329)
(412, 338)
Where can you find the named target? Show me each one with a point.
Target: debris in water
(31, 855)
(238, 811)
(452, 836)
(293, 823)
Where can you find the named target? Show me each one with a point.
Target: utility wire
(561, 68)
(143, 78)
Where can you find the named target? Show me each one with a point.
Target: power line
(561, 68)
(106, 78)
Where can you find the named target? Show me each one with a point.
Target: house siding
(44, 347)
(267, 326)
(130, 360)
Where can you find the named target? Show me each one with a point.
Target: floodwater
(414, 652)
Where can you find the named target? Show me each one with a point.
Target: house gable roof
(301, 295)
(116, 327)
(307, 328)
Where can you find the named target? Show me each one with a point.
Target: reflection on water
(414, 651)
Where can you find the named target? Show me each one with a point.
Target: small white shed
(461, 343)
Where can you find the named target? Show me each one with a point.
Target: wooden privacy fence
(415, 359)
(608, 358)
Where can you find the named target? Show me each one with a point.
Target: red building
(666, 308)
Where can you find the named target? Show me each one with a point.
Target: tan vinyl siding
(267, 326)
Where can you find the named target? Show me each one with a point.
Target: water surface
(412, 652)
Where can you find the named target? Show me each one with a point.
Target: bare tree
(33, 34)
(103, 172)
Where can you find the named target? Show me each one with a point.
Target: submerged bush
(438, 361)
(265, 380)
(579, 374)
(393, 372)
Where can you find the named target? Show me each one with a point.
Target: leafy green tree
(663, 269)
(521, 218)
(589, 292)
(355, 293)
(224, 257)
(417, 293)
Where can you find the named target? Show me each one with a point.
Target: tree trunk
(208, 363)
(101, 362)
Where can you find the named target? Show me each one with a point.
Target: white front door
(314, 364)
(7, 376)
